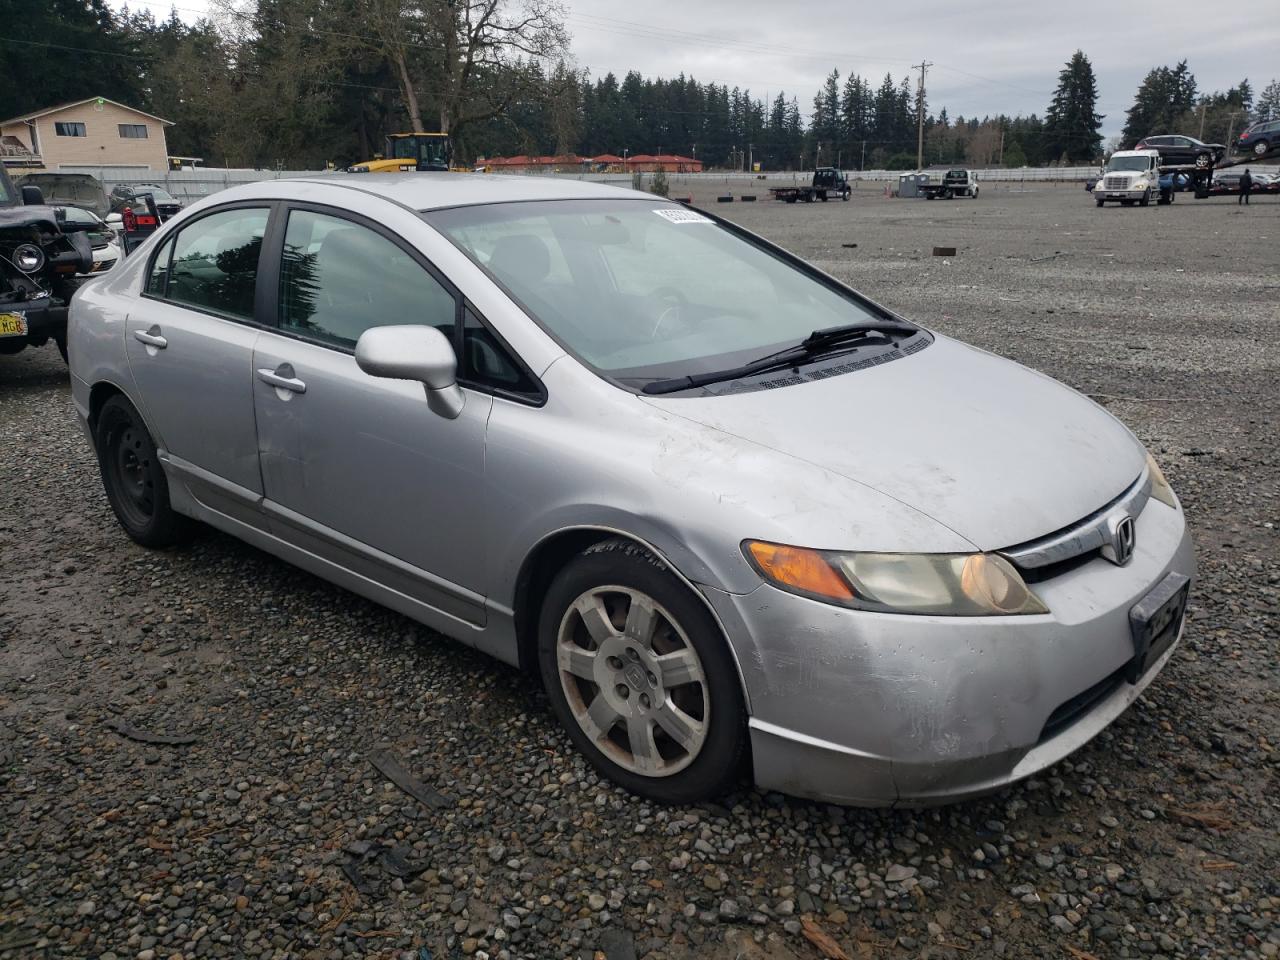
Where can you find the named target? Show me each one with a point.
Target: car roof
(1136, 153)
(432, 191)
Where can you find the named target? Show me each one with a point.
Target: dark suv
(1260, 139)
(1179, 151)
(38, 266)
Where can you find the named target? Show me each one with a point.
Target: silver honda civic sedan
(731, 513)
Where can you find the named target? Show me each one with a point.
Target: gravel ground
(268, 832)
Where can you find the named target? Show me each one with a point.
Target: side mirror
(414, 353)
(32, 196)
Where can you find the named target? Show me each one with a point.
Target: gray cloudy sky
(990, 56)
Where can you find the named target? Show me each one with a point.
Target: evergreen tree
(1163, 97)
(65, 50)
(1073, 128)
(1268, 107)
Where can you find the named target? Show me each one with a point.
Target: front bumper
(46, 318)
(873, 709)
(1100, 194)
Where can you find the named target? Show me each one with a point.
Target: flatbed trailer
(956, 183)
(1201, 172)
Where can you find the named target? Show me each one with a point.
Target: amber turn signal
(799, 569)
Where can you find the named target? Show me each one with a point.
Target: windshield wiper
(814, 345)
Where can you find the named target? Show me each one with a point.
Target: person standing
(1246, 187)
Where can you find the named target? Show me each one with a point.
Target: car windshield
(74, 215)
(1128, 163)
(158, 194)
(643, 289)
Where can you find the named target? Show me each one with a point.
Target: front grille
(1077, 543)
(1115, 183)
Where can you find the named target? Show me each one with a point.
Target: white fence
(194, 184)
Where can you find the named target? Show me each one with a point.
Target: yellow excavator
(408, 152)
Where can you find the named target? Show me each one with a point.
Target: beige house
(88, 133)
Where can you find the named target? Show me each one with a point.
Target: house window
(133, 131)
(69, 129)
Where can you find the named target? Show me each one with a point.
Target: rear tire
(133, 478)
(641, 677)
(1261, 149)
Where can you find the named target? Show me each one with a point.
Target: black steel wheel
(641, 677)
(133, 478)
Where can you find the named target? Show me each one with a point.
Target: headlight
(1160, 488)
(949, 584)
(28, 257)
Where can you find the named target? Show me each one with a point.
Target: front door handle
(151, 337)
(282, 377)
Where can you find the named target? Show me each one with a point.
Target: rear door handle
(151, 337)
(282, 377)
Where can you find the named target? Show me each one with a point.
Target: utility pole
(1200, 135)
(862, 164)
(1000, 162)
(751, 157)
(922, 65)
(1231, 128)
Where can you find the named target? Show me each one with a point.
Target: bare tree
(468, 58)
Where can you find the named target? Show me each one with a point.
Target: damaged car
(39, 263)
(728, 512)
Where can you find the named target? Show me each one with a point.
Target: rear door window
(215, 262)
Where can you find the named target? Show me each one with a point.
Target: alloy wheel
(633, 681)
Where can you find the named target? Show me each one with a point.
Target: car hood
(998, 453)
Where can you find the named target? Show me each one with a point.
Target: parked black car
(38, 266)
(1177, 150)
(129, 194)
(1260, 138)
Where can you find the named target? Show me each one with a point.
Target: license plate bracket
(13, 325)
(1155, 620)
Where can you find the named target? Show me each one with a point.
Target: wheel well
(99, 394)
(536, 574)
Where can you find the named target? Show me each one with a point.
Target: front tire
(641, 677)
(1100, 202)
(133, 478)
(1146, 198)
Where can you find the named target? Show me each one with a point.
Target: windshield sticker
(680, 215)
